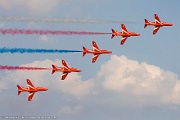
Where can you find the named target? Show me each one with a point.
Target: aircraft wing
(95, 46)
(123, 40)
(95, 58)
(64, 76)
(155, 30)
(157, 20)
(30, 96)
(65, 65)
(30, 85)
(123, 27)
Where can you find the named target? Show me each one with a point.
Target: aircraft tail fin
(84, 51)
(19, 89)
(113, 32)
(53, 69)
(146, 22)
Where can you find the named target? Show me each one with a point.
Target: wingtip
(155, 14)
(28, 80)
(63, 62)
(122, 42)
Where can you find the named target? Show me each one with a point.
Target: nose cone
(41, 89)
(167, 24)
(44, 89)
(110, 52)
(137, 34)
(79, 70)
(170, 24)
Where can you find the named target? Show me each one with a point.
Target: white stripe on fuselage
(124, 31)
(157, 21)
(66, 68)
(29, 86)
(94, 48)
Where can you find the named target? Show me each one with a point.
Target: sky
(138, 81)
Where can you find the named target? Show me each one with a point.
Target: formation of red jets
(125, 33)
(65, 69)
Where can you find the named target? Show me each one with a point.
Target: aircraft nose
(76, 70)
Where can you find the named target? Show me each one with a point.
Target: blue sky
(138, 81)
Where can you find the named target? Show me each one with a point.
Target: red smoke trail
(20, 68)
(45, 32)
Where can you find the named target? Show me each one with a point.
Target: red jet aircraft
(96, 51)
(65, 69)
(31, 89)
(157, 24)
(125, 34)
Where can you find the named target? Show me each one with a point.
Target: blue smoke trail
(28, 50)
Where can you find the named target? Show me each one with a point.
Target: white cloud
(71, 110)
(72, 85)
(75, 86)
(146, 84)
(119, 82)
(176, 94)
(33, 6)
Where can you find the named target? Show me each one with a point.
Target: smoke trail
(45, 32)
(24, 50)
(21, 68)
(58, 20)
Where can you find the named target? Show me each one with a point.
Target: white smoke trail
(57, 20)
